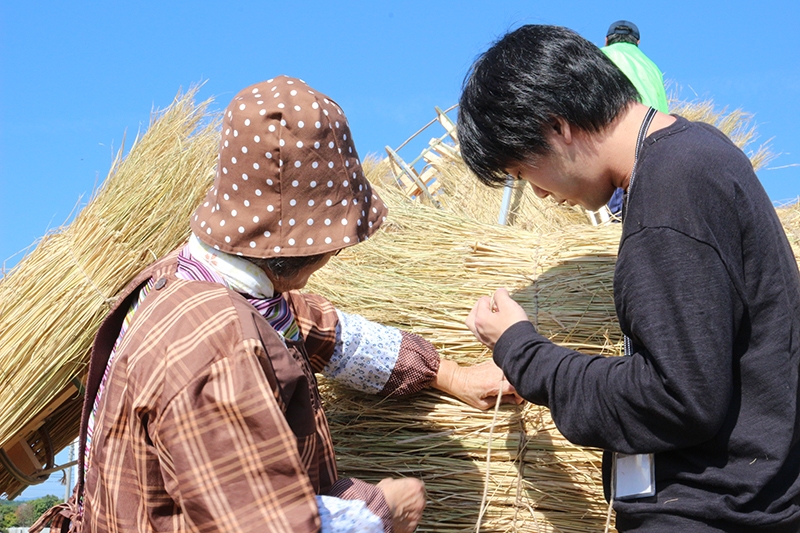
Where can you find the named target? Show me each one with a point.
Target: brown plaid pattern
(209, 422)
(313, 315)
(199, 430)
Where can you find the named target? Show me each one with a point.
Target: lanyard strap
(648, 118)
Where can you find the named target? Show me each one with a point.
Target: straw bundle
(461, 193)
(738, 125)
(53, 301)
(790, 218)
(423, 272)
(538, 482)
(427, 267)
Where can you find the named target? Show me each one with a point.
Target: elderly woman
(202, 409)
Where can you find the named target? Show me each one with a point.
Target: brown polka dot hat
(289, 181)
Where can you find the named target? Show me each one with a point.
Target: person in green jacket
(622, 48)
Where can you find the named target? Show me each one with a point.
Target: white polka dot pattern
(264, 200)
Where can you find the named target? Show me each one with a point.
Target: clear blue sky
(76, 76)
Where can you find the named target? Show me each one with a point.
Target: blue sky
(77, 77)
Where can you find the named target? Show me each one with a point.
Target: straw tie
(489, 452)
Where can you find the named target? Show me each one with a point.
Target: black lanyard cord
(648, 118)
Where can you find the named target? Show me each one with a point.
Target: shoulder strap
(103, 344)
(648, 118)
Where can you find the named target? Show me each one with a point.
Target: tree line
(25, 513)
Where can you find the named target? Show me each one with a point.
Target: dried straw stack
(53, 301)
(538, 482)
(427, 267)
(462, 194)
(738, 125)
(423, 273)
(790, 218)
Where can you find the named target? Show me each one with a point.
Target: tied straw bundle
(53, 301)
(461, 193)
(423, 272)
(431, 265)
(426, 268)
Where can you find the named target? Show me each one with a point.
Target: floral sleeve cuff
(379, 359)
(371, 495)
(365, 353)
(347, 516)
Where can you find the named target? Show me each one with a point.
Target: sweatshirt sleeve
(679, 307)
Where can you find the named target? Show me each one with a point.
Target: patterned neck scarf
(199, 262)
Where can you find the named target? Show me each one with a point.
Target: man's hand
(406, 500)
(476, 385)
(491, 317)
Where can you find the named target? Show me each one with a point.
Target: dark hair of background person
(516, 89)
(285, 267)
(615, 38)
(622, 31)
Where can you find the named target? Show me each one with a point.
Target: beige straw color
(52, 302)
(422, 272)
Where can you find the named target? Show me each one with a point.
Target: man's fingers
(507, 388)
(514, 399)
(500, 297)
(471, 319)
(490, 401)
(480, 306)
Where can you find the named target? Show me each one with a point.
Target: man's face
(565, 181)
(573, 172)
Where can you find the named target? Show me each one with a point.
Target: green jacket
(643, 73)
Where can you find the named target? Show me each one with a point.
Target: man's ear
(561, 128)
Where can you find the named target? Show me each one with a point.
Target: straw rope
(489, 455)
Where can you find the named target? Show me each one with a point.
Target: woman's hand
(406, 500)
(475, 385)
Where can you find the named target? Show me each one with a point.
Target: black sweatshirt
(708, 290)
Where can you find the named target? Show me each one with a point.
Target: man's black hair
(615, 38)
(517, 88)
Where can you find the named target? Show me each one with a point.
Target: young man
(700, 419)
(622, 47)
